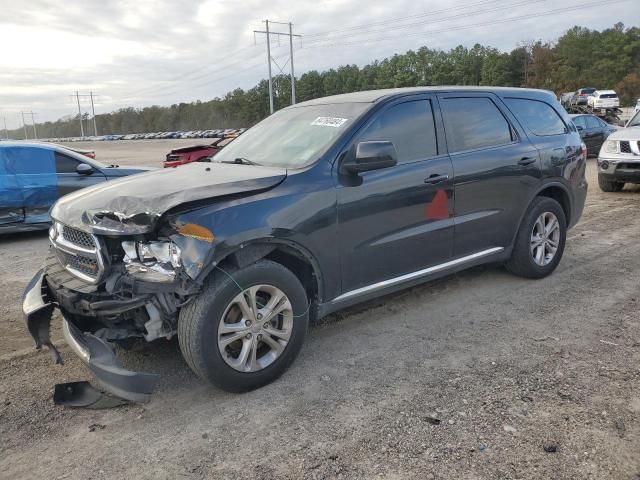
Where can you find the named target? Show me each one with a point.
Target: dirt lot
(478, 376)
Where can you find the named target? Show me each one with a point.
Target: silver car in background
(619, 158)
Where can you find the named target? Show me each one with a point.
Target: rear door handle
(524, 161)
(435, 178)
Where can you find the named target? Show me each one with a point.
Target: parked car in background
(34, 175)
(194, 153)
(580, 96)
(322, 205)
(593, 131)
(619, 157)
(565, 99)
(81, 151)
(603, 100)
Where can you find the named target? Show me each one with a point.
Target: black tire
(522, 262)
(199, 321)
(609, 185)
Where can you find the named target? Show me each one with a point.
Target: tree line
(581, 57)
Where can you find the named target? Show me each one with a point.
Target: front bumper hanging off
(97, 354)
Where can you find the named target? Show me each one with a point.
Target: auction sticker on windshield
(329, 121)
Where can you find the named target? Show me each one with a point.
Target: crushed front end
(108, 288)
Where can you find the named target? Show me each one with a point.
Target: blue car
(34, 175)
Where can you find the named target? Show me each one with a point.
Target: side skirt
(353, 297)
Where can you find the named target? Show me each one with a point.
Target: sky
(160, 52)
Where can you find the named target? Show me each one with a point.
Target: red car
(195, 153)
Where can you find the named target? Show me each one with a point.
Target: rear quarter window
(538, 117)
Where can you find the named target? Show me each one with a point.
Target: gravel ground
(481, 375)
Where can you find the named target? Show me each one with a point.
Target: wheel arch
(560, 194)
(289, 254)
(555, 190)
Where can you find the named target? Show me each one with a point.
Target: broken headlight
(165, 252)
(155, 261)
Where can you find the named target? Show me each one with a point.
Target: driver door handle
(435, 178)
(526, 161)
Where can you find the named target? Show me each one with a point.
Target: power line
(468, 26)
(431, 22)
(400, 19)
(203, 71)
(217, 79)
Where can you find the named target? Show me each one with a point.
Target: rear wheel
(246, 327)
(540, 241)
(609, 185)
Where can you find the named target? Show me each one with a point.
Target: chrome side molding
(411, 276)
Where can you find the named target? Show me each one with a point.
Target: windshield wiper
(241, 161)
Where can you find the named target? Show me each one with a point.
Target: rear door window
(592, 122)
(474, 123)
(580, 122)
(538, 117)
(409, 126)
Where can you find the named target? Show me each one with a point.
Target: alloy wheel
(545, 239)
(255, 328)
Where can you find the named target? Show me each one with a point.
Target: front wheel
(246, 327)
(609, 185)
(540, 241)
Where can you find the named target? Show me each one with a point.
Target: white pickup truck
(619, 157)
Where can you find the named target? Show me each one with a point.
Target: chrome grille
(78, 252)
(78, 237)
(625, 147)
(86, 265)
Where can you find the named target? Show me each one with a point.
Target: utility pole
(270, 58)
(269, 61)
(93, 112)
(80, 115)
(33, 122)
(24, 126)
(6, 132)
(293, 77)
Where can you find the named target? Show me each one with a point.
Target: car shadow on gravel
(23, 236)
(164, 357)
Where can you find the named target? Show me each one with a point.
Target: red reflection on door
(438, 209)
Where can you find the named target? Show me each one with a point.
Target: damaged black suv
(322, 205)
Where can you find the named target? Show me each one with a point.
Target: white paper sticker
(329, 121)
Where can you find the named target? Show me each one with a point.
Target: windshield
(635, 120)
(293, 137)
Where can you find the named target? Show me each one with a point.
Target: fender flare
(540, 189)
(273, 242)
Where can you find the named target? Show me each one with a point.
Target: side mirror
(579, 128)
(621, 123)
(84, 169)
(372, 155)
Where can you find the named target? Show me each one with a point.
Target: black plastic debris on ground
(83, 395)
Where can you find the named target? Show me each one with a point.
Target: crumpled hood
(132, 205)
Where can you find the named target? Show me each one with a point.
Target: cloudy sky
(144, 52)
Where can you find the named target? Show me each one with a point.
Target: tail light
(584, 149)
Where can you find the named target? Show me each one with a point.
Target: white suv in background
(603, 99)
